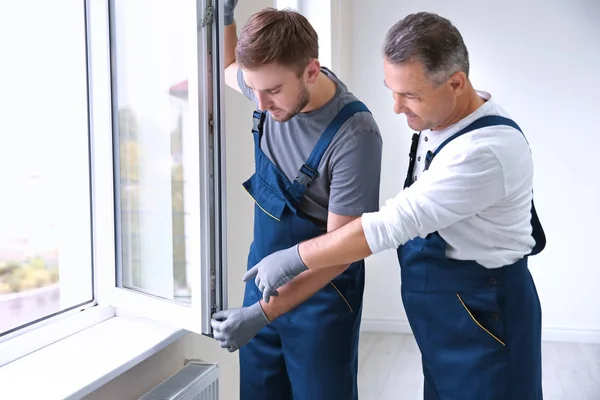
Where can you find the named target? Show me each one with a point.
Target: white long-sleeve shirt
(476, 194)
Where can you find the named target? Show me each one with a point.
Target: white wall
(540, 60)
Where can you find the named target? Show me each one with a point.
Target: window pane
(153, 51)
(45, 228)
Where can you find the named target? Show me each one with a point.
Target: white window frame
(51, 330)
(206, 118)
(206, 109)
(71, 318)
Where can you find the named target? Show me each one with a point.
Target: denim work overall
(478, 329)
(311, 352)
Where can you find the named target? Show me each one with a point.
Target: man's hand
(235, 327)
(275, 270)
(228, 8)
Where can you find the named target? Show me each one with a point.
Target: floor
(390, 368)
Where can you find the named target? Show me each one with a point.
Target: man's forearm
(229, 43)
(299, 290)
(320, 255)
(342, 246)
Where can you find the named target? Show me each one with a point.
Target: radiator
(196, 381)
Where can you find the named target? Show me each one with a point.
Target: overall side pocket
(485, 313)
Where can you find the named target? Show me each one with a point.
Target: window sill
(83, 362)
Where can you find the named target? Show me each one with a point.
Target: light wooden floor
(390, 369)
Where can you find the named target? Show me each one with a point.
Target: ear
(458, 82)
(312, 71)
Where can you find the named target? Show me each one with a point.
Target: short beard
(303, 100)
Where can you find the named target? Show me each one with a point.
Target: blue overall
(311, 352)
(478, 329)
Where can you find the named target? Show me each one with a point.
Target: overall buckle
(258, 120)
(306, 175)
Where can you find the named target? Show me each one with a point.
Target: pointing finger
(250, 273)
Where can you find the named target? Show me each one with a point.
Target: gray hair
(430, 39)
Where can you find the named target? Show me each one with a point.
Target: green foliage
(34, 273)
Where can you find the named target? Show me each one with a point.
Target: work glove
(235, 327)
(275, 270)
(228, 7)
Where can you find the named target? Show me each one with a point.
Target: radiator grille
(195, 381)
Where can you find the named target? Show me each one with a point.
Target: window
(45, 233)
(112, 168)
(161, 93)
(156, 180)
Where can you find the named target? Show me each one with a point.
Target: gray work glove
(228, 7)
(235, 327)
(275, 270)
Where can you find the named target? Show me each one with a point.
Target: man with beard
(318, 161)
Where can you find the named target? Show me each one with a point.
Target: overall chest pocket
(267, 198)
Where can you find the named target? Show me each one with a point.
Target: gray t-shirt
(349, 172)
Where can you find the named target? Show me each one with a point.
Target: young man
(463, 226)
(318, 161)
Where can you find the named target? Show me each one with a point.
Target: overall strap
(308, 171)
(493, 120)
(412, 155)
(488, 120)
(258, 122)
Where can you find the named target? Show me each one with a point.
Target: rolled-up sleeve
(462, 181)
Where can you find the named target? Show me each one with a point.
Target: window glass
(45, 228)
